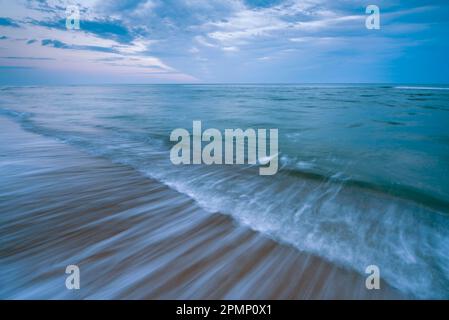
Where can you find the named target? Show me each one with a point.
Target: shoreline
(135, 238)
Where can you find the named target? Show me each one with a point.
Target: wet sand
(135, 238)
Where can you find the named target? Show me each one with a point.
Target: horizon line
(226, 83)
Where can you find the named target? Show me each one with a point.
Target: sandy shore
(135, 238)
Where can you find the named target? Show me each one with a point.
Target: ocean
(363, 169)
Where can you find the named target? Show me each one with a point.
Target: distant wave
(421, 88)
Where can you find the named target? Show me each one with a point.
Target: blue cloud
(44, 6)
(262, 3)
(28, 58)
(15, 68)
(62, 45)
(7, 22)
(55, 44)
(106, 28)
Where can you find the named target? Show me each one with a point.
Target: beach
(135, 238)
(361, 181)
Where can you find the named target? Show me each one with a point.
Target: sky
(223, 41)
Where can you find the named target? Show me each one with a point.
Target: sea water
(363, 169)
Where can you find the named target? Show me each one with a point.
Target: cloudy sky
(222, 41)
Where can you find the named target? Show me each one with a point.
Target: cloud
(5, 68)
(230, 49)
(55, 44)
(6, 22)
(227, 40)
(104, 28)
(61, 45)
(27, 58)
(202, 41)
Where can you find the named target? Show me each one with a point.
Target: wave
(420, 88)
(339, 219)
(306, 170)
